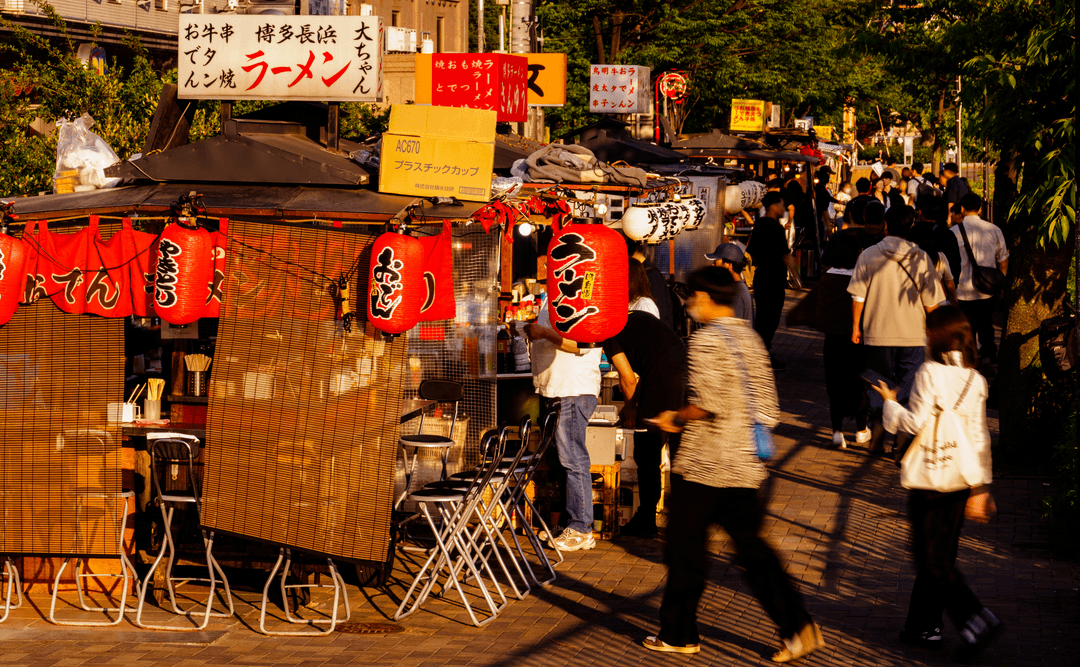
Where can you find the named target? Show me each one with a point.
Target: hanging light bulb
(526, 229)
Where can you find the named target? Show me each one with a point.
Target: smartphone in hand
(873, 377)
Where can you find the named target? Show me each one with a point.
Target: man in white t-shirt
(571, 375)
(988, 247)
(914, 182)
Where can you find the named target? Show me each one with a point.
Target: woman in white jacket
(948, 379)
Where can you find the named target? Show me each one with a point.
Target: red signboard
(493, 81)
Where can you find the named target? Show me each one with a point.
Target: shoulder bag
(763, 440)
(986, 279)
(941, 452)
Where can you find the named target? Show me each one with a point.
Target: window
(161, 5)
(440, 35)
(394, 18)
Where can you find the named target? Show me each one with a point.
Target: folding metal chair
(493, 514)
(443, 392)
(339, 592)
(13, 584)
(84, 495)
(178, 450)
(455, 547)
(9, 572)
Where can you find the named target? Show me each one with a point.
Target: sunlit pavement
(836, 517)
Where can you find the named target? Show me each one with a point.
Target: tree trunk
(600, 55)
(1005, 175)
(616, 36)
(1033, 410)
(939, 120)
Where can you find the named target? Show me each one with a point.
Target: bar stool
(178, 449)
(9, 572)
(97, 442)
(338, 584)
(442, 392)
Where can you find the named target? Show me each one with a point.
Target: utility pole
(522, 32)
(479, 26)
(959, 109)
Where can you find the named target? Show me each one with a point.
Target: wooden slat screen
(58, 451)
(303, 417)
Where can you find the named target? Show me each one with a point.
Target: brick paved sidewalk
(837, 517)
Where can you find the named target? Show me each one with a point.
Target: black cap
(729, 252)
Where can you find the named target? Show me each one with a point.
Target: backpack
(926, 189)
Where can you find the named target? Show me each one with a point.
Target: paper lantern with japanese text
(219, 241)
(587, 282)
(396, 287)
(12, 274)
(184, 271)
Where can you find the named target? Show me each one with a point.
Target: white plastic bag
(81, 157)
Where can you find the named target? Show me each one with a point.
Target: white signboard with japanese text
(269, 57)
(619, 89)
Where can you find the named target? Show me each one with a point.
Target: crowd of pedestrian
(903, 305)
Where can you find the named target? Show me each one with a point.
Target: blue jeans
(899, 364)
(574, 413)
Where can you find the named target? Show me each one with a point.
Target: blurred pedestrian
(716, 474)
(844, 360)
(771, 256)
(733, 258)
(640, 292)
(987, 245)
(948, 378)
(651, 361)
(893, 287)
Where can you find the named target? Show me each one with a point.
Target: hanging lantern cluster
(747, 194)
(653, 223)
(396, 287)
(587, 281)
(13, 253)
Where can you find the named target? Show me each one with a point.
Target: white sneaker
(863, 436)
(838, 440)
(572, 540)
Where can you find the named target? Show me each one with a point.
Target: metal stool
(440, 391)
(170, 447)
(339, 592)
(82, 495)
(9, 572)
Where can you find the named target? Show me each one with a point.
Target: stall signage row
(314, 58)
(492, 81)
(619, 88)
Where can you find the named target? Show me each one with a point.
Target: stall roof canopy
(610, 140)
(237, 200)
(721, 145)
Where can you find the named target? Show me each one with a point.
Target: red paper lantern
(219, 241)
(184, 271)
(587, 282)
(396, 288)
(12, 272)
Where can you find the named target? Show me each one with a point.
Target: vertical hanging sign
(269, 57)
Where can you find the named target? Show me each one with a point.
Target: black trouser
(936, 520)
(980, 313)
(768, 306)
(647, 448)
(844, 363)
(694, 507)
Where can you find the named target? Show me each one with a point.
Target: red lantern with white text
(12, 273)
(184, 272)
(587, 282)
(396, 287)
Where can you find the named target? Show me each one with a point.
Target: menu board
(269, 57)
(619, 89)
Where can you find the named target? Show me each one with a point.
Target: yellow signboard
(438, 152)
(747, 115)
(824, 132)
(547, 79)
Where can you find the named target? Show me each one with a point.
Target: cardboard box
(438, 152)
(495, 81)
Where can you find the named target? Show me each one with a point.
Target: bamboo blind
(58, 451)
(303, 417)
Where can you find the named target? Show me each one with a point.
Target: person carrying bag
(947, 470)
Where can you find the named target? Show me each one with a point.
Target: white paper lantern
(747, 194)
(644, 223)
